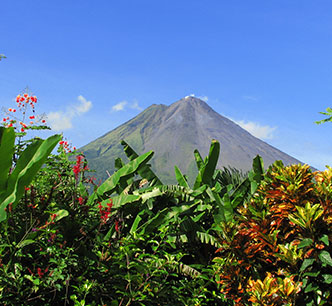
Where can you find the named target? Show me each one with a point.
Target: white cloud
(84, 106)
(59, 121)
(204, 98)
(62, 120)
(120, 106)
(123, 105)
(260, 131)
(136, 106)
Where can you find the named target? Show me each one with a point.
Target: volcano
(173, 133)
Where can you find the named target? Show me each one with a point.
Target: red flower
(77, 167)
(105, 212)
(40, 272)
(79, 159)
(76, 170)
(117, 227)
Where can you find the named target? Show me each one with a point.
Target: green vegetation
(328, 113)
(227, 238)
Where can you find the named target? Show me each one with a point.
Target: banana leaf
(110, 185)
(180, 177)
(206, 172)
(27, 166)
(145, 171)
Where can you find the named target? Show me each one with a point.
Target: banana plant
(14, 180)
(145, 171)
(191, 212)
(117, 182)
(207, 167)
(236, 195)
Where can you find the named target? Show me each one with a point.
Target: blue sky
(96, 64)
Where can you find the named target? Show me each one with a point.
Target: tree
(327, 113)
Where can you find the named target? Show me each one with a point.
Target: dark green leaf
(325, 258)
(305, 242)
(310, 287)
(7, 140)
(135, 224)
(312, 274)
(24, 243)
(327, 278)
(306, 263)
(325, 239)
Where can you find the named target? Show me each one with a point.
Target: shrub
(278, 249)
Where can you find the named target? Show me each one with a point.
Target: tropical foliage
(277, 251)
(260, 238)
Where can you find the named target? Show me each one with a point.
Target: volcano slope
(173, 133)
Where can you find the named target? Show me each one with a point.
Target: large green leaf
(118, 163)
(241, 192)
(127, 171)
(327, 278)
(135, 223)
(325, 258)
(30, 161)
(152, 224)
(306, 263)
(145, 171)
(208, 239)
(198, 159)
(7, 140)
(180, 177)
(123, 199)
(258, 168)
(211, 164)
(205, 174)
(149, 194)
(24, 243)
(257, 173)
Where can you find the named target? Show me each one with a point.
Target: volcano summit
(173, 132)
